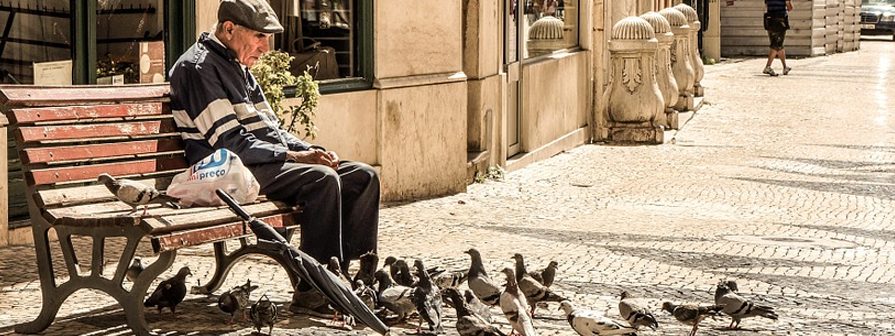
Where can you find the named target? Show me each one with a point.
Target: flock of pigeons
(395, 292)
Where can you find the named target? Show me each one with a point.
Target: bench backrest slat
(81, 132)
(41, 96)
(68, 113)
(88, 173)
(95, 152)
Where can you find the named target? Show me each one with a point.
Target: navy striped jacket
(776, 8)
(216, 104)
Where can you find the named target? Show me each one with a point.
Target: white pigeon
(592, 323)
(515, 307)
(135, 194)
(134, 270)
(479, 282)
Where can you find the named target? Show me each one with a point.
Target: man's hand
(314, 156)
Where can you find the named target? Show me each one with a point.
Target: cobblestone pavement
(785, 184)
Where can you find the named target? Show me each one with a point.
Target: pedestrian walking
(776, 23)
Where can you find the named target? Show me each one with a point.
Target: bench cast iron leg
(224, 262)
(48, 290)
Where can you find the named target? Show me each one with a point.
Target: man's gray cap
(256, 15)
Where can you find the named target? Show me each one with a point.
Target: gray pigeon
(169, 293)
(593, 323)
(738, 307)
(513, 305)
(427, 299)
(366, 294)
(336, 268)
(477, 306)
(546, 275)
(368, 263)
(534, 291)
(479, 282)
(264, 313)
(135, 194)
(393, 297)
(236, 300)
(401, 274)
(691, 314)
(635, 313)
(134, 270)
(468, 322)
(451, 279)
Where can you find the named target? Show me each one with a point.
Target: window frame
(563, 51)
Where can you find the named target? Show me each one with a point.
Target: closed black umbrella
(308, 269)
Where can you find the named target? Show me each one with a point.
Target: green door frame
(180, 32)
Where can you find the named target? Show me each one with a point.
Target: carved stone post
(633, 99)
(680, 58)
(664, 74)
(695, 57)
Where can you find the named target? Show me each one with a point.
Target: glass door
(512, 41)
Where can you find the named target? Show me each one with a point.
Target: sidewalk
(786, 184)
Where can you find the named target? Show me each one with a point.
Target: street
(785, 184)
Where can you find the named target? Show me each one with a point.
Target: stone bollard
(664, 74)
(695, 57)
(633, 99)
(680, 58)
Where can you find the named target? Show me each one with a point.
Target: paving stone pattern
(786, 184)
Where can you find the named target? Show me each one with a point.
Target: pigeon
(368, 262)
(134, 270)
(732, 285)
(451, 279)
(366, 294)
(593, 323)
(427, 299)
(513, 305)
(401, 274)
(691, 314)
(393, 297)
(336, 268)
(546, 275)
(135, 194)
(477, 306)
(236, 299)
(387, 265)
(635, 313)
(479, 282)
(170, 292)
(468, 322)
(264, 313)
(534, 291)
(738, 307)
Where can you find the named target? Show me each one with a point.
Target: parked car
(878, 17)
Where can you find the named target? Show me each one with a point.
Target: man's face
(248, 44)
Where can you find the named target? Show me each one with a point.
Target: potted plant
(272, 73)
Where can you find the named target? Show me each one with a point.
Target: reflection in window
(130, 45)
(35, 45)
(321, 34)
(550, 25)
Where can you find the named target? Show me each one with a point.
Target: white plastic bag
(222, 169)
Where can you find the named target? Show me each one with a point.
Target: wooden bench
(65, 137)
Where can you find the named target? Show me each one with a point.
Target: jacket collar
(214, 45)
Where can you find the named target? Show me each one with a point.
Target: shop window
(130, 46)
(36, 42)
(329, 38)
(549, 26)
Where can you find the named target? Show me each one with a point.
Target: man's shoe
(311, 302)
(786, 70)
(769, 71)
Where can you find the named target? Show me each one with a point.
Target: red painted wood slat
(99, 151)
(43, 114)
(76, 132)
(29, 95)
(90, 172)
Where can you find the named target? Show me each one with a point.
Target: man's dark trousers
(338, 205)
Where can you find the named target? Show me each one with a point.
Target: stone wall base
(672, 119)
(637, 134)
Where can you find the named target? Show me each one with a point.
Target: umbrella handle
(234, 205)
